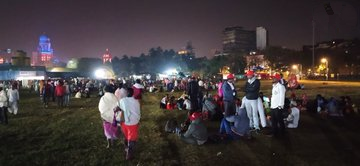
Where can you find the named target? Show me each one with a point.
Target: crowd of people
(238, 116)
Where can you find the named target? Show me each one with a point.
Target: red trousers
(130, 131)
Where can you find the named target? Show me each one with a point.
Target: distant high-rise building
(236, 39)
(45, 52)
(261, 38)
(34, 58)
(107, 56)
(5, 55)
(20, 59)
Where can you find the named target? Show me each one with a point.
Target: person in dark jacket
(196, 134)
(47, 93)
(193, 92)
(229, 95)
(252, 89)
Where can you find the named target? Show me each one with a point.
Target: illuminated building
(45, 52)
(5, 56)
(107, 57)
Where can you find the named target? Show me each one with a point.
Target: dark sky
(85, 28)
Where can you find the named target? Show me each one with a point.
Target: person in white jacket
(107, 104)
(3, 106)
(13, 95)
(277, 106)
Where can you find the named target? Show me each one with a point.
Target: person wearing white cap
(252, 89)
(292, 120)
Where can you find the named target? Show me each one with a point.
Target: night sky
(85, 28)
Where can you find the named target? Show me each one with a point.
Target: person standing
(13, 94)
(131, 113)
(252, 89)
(277, 106)
(138, 89)
(3, 106)
(229, 96)
(193, 92)
(67, 93)
(120, 91)
(106, 106)
(59, 93)
(46, 93)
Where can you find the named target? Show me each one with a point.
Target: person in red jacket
(59, 93)
(138, 88)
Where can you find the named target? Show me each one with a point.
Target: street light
(324, 60)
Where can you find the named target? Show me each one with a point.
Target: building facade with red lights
(106, 57)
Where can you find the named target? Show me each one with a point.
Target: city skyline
(87, 28)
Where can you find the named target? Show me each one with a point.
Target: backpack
(171, 125)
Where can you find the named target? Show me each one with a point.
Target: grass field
(74, 136)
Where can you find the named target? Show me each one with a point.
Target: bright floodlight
(100, 73)
(323, 60)
(295, 67)
(171, 71)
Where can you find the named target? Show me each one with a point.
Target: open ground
(74, 136)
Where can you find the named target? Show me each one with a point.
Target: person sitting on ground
(187, 104)
(304, 102)
(180, 101)
(241, 125)
(332, 108)
(292, 119)
(196, 133)
(238, 125)
(171, 103)
(219, 104)
(164, 101)
(320, 103)
(152, 88)
(209, 107)
(348, 105)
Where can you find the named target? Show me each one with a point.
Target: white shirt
(120, 93)
(293, 118)
(187, 104)
(131, 109)
(106, 106)
(3, 99)
(163, 100)
(277, 96)
(201, 83)
(13, 95)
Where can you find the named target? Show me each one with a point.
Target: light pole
(324, 60)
